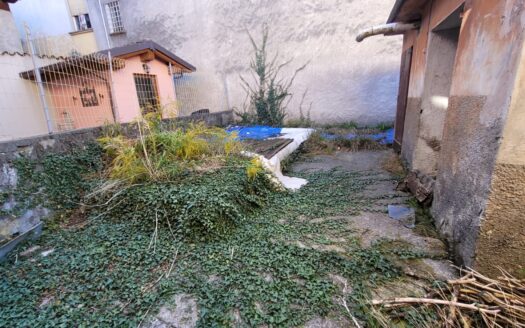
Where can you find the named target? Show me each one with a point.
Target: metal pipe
(104, 24)
(386, 29)
(38, 77)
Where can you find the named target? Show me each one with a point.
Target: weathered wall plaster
(470, 160)
(345, 80)
(502, 235)
(483, 82)
(21, 112)
(438, 78)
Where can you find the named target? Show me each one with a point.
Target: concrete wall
(84, 42)
(345, 80)
(126, 94)
(502, 235)
(489, 51)
(478, 196)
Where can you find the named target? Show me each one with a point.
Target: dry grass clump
(393, 165)
(316, 144)
(471, 301)
(159, 154)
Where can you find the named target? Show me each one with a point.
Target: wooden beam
(147, 56)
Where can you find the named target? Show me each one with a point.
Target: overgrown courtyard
(313, 257)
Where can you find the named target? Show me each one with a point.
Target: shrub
(158, 154)
(270, 93)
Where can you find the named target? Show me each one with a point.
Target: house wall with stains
(343, 81)
(484, 78)
(478, 166)
(128, 108)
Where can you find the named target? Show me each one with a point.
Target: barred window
(114, 17)
(147, 93)
(82, 22)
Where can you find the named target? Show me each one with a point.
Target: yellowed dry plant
(471, 301)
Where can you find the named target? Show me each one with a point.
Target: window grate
(147, 92)
(114, 17)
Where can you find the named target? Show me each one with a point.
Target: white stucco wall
(21, 112)
(345, 80)
(9, 39)
(50, 18)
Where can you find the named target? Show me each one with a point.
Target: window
(82, 22)
(146, 86)
(114, 18)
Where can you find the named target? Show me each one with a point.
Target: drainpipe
(114, 107)
(387, 29)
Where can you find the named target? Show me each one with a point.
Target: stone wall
(344, 80)
(37, 148)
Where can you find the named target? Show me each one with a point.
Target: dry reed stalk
(473, 298)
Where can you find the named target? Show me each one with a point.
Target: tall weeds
(158, 154)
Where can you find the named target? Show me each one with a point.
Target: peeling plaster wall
(345, 80)
(489, 51)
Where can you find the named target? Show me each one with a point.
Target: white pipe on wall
(386, 29)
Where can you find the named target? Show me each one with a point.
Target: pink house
(78, 89)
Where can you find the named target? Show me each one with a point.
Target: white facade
(345, 80)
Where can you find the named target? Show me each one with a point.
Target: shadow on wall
(367, 96)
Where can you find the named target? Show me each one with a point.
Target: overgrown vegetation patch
(119, 271)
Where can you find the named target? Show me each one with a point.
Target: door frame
(402, 98)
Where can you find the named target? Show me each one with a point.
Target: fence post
(38, 78)
(114, 107)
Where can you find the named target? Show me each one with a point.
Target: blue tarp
(258, 132)
(384, 138)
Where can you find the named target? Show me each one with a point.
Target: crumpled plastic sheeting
(257, 132)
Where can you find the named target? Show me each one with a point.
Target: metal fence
(46, 89)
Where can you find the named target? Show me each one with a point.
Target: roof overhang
(79, 65)
(149, 50)
(407, 11)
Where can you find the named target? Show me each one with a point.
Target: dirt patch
(348, 161)
(268, 147)
(182, 313)
(378, 227)
(393, 165)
